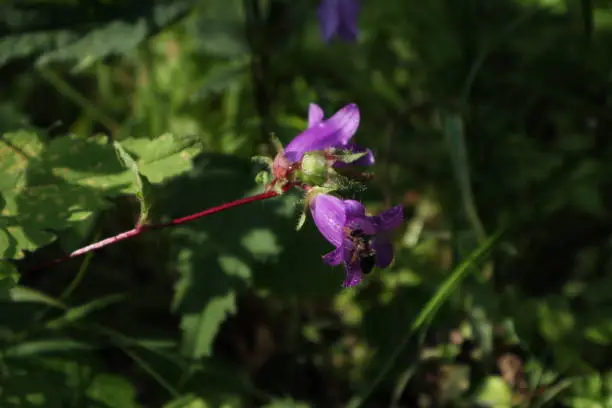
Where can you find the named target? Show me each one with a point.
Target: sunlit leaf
(54, 186)
(495, 392)
(112, 391)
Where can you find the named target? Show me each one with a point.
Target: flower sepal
(348, 156)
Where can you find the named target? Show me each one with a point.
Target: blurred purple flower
(328, 135)
(339, 17)
(361, 241)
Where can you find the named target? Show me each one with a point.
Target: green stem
(79, 276)
(75, 96)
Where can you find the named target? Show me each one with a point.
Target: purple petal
(335, 131)
(329, 217)
(364, 224)
(389, 219)
(334, 257)
(354, 209)
(353, 275)
(356, 217)
(315, 115)
(329, 18)
(348, 12)
(384, 252)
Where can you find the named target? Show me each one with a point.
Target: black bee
(362, 250)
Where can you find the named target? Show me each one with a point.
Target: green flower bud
(315, 169)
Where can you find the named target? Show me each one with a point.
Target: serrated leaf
(218, 257)
(96, 30)
(116, 37)
(16, 150)
(27, 44)
(142, 183)
(51, 187)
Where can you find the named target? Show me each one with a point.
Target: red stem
(138, 230)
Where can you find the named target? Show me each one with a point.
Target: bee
(362, 250)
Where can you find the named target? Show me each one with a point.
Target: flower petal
(348, 12)
(329, 216)
(353, 274)
(356, 218)
(334, 257)
(329, 18)
(335, 131)
(389, 219)
(315, 115)
(384, 252)
(354, 209)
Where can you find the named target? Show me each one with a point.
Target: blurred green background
(484, 115)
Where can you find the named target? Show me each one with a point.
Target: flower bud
(315, 169)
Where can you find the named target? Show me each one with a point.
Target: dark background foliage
(485, 116)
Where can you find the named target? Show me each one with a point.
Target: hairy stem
(140, 229)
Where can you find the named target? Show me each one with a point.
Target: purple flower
(331, 135)
(339, 17)
(361, 241)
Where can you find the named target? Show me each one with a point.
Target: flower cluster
(314, 160)
(315, 155)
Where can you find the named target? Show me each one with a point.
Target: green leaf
(61, 184)
(556, 318)
(187, 401)
(32, 384)
(429, 310)
(223, 254)
(600, 333)
(95, 30)
(221, 78)
(29, 295)
(301, 221)
(200, 329)
(163, 157)
(112, 391)
(263, 178)
(286, 403)
(143, 185)
(42, 347)
(453, 129)
(495, 392)
(8, 279)
(350, 157)
(75, 314)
